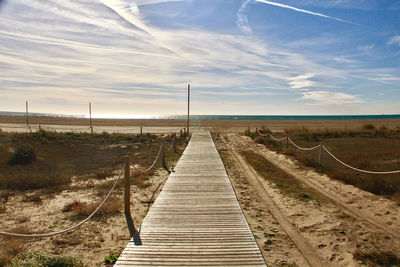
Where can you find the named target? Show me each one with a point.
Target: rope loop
(72, 227)
(152, 165)
(356, 169)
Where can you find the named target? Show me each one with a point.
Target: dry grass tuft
(3, 208)
(103, 173)
(36, 198)
(377, 257)
(81, 210)
(13, 247)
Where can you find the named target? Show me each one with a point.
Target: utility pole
(188, 109)
(27, 114)
(90, 118)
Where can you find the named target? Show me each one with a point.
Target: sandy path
(361, 204)
(301, 243)
(332, 228)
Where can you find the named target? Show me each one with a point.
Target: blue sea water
(217, 117)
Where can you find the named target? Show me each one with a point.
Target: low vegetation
(80, 210)
(285, 182)
(36, 258)
(370, 148)
(34, 167)
(50, 160)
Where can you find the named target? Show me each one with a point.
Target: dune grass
(370, 148)
(285, 182)
(61, 156)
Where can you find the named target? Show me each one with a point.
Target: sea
(212, 117)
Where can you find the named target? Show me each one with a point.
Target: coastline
(18, 123)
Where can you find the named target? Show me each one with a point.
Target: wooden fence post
(141, 130)
(127, 196)
(174, 143)
(180, 131)
(287, 141)
(163, 156)
(320, 152)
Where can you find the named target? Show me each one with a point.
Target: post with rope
(287, 142)
(180, 133)
(320, 152)
(90, 118)
(188, 116)
(27, 114)
(127, 196)
(141, 130)
(174, 143)
(163, 156)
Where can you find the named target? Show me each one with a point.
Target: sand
(18, 124)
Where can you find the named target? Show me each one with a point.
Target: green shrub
(22, 155)
(110, 259)
(36, 258)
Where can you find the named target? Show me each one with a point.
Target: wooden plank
(196, 220)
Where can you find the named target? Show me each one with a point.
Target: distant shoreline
(236, 125)
(202, 117)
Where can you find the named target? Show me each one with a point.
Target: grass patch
(110, 259)
(62, 156)
(377, 258)
(80, 210)
(36, 258)
(283, 181)
(370, 148)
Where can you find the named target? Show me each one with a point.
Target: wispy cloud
(395, 40)
(330, 98)
(302, 81)
(242, 21)
(304, 11)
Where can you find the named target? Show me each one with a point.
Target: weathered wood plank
(196, 220)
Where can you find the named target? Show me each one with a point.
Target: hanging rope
(277, 139)
(72, 227)
(356, 169)
(303, 148)
(152, 165)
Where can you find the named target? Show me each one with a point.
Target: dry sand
(18, 124)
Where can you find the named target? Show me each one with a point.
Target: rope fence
(126, 170)
(72, 227)
(321, 146)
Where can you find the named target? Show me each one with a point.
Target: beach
(65, 124)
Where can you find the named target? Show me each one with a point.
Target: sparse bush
(35, 258)
(375, 257)
(103, 173)
(22, 155)
(81, 210)
(369, 127)
(259, 140)
(36, 198)
(3, 209)
(110, 259)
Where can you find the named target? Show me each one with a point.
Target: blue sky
(240, 56)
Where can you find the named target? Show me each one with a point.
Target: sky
(255, 57)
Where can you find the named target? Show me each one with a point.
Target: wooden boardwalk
(196, 220)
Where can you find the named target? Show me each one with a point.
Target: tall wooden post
(27, 114)
(188, 116)
(90, 118)
(141, 130)
(127, 196)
